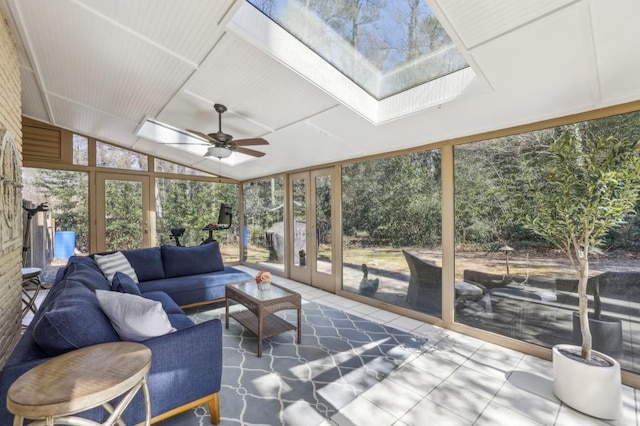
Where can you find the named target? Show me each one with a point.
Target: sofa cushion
(88, 274)
(87, 261)
(72, 321)
(169, 306)
(147, 262)
(116, 262)
(123, 283)
(181, 261)
(180, 321)
(191, 289)
(134, 318)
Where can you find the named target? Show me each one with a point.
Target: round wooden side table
(53, 391)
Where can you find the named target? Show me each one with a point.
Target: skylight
(385, 47)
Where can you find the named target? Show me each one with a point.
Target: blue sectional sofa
(186, 363)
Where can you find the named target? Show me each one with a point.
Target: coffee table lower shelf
(271, 324)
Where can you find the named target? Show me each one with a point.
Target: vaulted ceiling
(101, 67)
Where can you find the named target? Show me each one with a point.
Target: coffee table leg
(299, 329)
(226, 312)
(259, 335)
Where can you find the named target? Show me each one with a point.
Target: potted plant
(589, 185)
(606, 331)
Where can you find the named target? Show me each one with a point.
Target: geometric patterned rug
(341, 356)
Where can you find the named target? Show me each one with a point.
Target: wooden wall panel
(41, 143)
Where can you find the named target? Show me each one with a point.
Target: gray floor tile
(415, 379)
(496, 414)
(462, 402)
(528, 403)
(428, 412)
(536, 366)
(476, 382)
(392, 397)
(570, 417)
(435, 365)
(361, 412)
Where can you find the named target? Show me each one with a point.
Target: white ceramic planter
(593, 390)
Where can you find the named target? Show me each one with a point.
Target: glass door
(312, 257)
(122, 213)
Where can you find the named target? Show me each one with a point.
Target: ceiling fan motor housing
(223, 138)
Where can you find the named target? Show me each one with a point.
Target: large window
(119, 158)
(392, 233)
(264, 222)
(191, 204)
(63, 230)
(529, 287)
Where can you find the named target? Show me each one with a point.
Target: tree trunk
(583, 276)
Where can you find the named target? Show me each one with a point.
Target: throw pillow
(125, 284)
(111, 263)
(134, 318)
(181, 261)
(147, 262)
(72, 321)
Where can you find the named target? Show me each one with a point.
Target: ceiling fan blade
(202, 135)
(249, 142)
(249, 151)
(187, 143)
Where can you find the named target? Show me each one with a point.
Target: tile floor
(459, 380)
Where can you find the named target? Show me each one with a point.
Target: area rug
(341, 356)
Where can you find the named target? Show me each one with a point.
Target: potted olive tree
(589, 185)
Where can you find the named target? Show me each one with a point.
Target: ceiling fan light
(218, 152)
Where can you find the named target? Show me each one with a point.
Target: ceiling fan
(222, 144)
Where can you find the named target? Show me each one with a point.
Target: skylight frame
(380, 84)
(265, 35)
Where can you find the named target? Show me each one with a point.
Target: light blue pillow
(134, 318)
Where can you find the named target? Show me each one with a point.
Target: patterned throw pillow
(109, 264)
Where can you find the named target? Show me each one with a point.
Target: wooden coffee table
(261, 306)
(55, 390)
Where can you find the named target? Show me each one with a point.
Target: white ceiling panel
(95, 63)
(256, 86)
(188, 111)
(100, 125)
(558, 63)
(194, 24)
(106, 65)
(295, 142)
(481, 20)
(32, 102)
(619, 70)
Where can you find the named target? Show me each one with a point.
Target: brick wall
(10, 259)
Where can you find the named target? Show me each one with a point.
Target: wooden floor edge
(206, 302)
(183, 408)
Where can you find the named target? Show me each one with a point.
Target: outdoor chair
(425, 285)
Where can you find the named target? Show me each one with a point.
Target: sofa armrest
(7, 376)
(186, 365)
